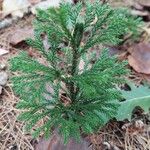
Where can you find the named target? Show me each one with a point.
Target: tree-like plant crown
(66, 96)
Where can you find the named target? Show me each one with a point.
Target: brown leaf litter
(56, 143)
(3, 52)
(20, 35)
(140, 8)
(133, 135)
(12, 135)
(139, 57)
(144, 3)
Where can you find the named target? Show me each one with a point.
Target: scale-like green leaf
(136, 97)
(55, 90)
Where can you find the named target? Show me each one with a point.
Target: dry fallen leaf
(137, 6)
(17, 8)
(33, 2)
(56, 143)
(3, 51)
(141, 8)
(145, 3)
(139, 57)
(20, 35)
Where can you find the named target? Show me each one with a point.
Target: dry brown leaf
(137, 6)
(33, 2)
(139, 58)
(56, 143)
(20, 35)
(17, 8)
(145, 3)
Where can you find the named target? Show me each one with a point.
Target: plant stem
(73, 72)
(77, 38)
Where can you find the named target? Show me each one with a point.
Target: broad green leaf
(137, 97)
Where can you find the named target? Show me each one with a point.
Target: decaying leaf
(141, 8)
(56, 143)
(17, 8)
(137, 97)
(145, 3)
(137, 6)
(33, 2)
(139, 58)
(20, 35)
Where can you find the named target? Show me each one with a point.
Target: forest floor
(124, 135)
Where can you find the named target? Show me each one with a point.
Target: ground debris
(1, 90)
(33, 2)
(20, 35)
(139, 57)
(17, 8)
(123, 135)
(3, 78)
(2, 66)
(56, 143)
(46, 4)
(3, 51)
(109, 146)
(145, 3)
(141, 8)
(6, 23)
(12, 136)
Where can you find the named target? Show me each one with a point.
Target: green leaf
(137, 97)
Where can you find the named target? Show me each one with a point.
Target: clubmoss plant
(75, 91)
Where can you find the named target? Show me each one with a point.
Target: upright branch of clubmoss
(67, 98)
(77, 36)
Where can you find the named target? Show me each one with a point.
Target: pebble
(3, 78)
